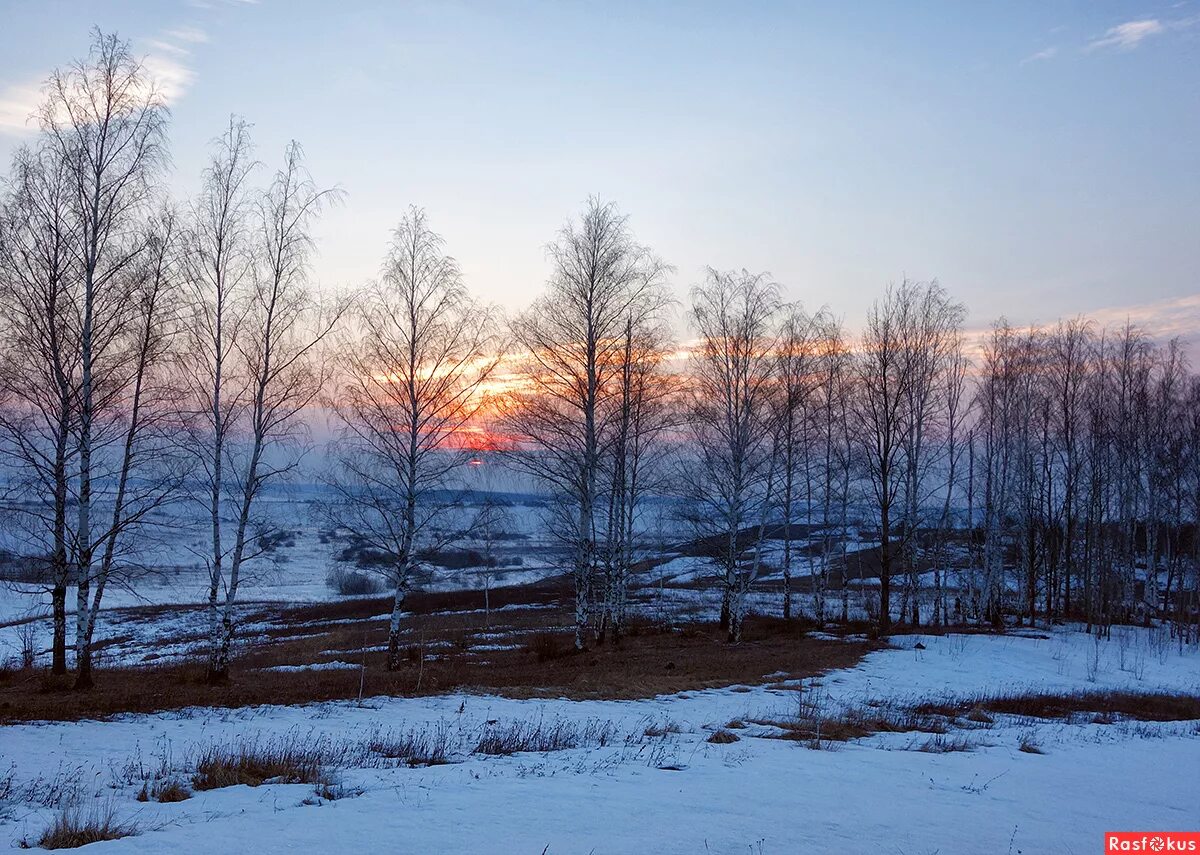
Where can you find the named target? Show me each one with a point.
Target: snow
(676, 793)
(315, 666)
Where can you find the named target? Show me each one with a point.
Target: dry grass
(723, 737)
(659, 730)
(415, 748)
(1029, 745)
(649, 661)
(72, 829)
(165, 791)
(1104, 706)
(979, 716)
(813, 724)
(540, 737)
(282, 761)
(939, 743)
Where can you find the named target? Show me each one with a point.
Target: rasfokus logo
(1152, 841)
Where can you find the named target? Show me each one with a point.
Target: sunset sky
(1039, 158)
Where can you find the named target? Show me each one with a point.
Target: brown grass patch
(1102, 705)
(652, 660)
(723, 737)
(165, 791)
(253, 764)
(813, 724)
(72, 829)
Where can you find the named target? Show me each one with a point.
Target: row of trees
(1054, 473)
(161, 355)
(154, 354)
(1087, 473)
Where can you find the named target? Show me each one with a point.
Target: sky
(1040, 159)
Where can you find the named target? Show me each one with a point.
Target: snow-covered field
(669, 791)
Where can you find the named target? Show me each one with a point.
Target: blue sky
(1039, 158)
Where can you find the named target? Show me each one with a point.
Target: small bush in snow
(332, 790)
(72, 829)
(351, 583)
(723, 737)
(1029, 745)
(165, 791)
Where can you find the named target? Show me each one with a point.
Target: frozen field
(657, 784)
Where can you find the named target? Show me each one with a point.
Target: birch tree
(799, 377)
(638, 415)
(731, 466)
(572, 339)
(219, 265)
(107, 123)
(40, 369)
(257, 329)
(881, 425)
(410, 380)
(138, 430)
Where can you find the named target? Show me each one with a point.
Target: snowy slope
(676, 793)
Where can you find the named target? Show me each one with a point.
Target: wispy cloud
(192, 35)
(1128, 35)
(1162, 319)
(170, 72)
(1046, 53)
(166, 58)
(18, 102)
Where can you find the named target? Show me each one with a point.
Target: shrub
(165, 791)
(351, 583)
(656, 730)
(1029, 745)
(546, 646)
(72, 829)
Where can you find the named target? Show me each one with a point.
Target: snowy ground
(672, 793)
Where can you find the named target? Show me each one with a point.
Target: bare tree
(731, 468)
(107, 123)
(573, 339)
(881, 423)
(637, 416)
(40, 375)
(256, 330)
(219, 264)
(799, 375)
(137, 433)
(930, 323)
(410, 381)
